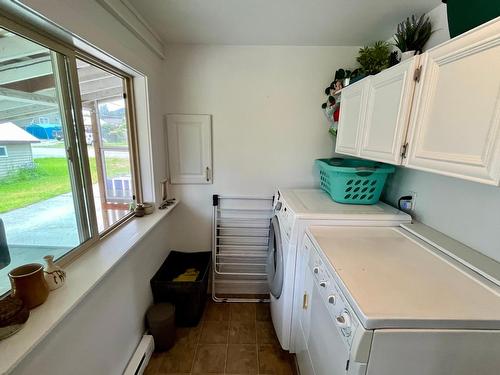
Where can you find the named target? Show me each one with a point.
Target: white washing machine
(295, 210)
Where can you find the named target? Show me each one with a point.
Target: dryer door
(275, 266)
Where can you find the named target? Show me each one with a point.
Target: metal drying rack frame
(240, 235)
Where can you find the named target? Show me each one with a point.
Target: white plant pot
(407, 55)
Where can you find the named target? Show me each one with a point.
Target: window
(69, 175)
(105, 114)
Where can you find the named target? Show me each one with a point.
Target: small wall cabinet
(438, 112)
(189, 140)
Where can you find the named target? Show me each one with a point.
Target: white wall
(464, 210)
(439, 20)
(267, 122)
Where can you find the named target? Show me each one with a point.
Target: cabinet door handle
(207, 170)
(305, 302)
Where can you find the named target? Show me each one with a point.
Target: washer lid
(316, 204)
(392, 279)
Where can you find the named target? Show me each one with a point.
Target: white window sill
(83, 275)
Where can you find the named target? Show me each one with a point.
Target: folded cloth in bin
(191, 274)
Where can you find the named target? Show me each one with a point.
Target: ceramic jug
(28, 284)
(54, 275)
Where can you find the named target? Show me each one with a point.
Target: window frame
(131, 120)
(73, 115)
(6, 153)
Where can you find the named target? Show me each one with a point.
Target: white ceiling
(277, 22)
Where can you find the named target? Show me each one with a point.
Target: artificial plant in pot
(412, 34)
(373, 59)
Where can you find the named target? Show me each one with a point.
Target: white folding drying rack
(240, 235)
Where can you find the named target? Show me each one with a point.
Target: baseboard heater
(140, 359)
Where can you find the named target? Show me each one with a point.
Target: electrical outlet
(413, 200)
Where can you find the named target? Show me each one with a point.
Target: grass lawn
(49, 144)
(50, 178)
(60, 144)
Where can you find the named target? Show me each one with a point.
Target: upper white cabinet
(454, 129)
(438, 112)
(352, 114)
(189, 139)
(374, 114)
(387, 113)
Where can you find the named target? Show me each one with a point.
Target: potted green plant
(373, 59)
(412, 34)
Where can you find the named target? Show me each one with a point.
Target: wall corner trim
(129, 17)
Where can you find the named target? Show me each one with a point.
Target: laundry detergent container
(183, 280)
(353, 181)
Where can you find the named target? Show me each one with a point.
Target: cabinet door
(352, 114)
(189, 149)
(387, 113)
(454, 129)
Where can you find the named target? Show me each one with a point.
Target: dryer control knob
(344, 319)
(316, 270)
(332, 299)
(278, 206)
(322, 284)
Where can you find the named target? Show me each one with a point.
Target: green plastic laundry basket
(353, 181)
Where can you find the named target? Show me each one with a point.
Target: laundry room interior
(250, 187)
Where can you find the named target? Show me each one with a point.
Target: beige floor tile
(241, 359)
(273, 360)
(216, 311)
(266, 333)
(210, 359)
(153, 366)
(263, 312)
(178, 360)
(242, 332)
(242, 311)
(214, 332)
(188, 336)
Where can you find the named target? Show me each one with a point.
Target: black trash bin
(189, 297)
(160, 319)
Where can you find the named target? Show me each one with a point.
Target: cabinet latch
(404, 149)
(418, 72)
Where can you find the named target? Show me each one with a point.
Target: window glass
(39, 205)
(107, 137)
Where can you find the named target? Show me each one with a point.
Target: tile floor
(232, 338)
